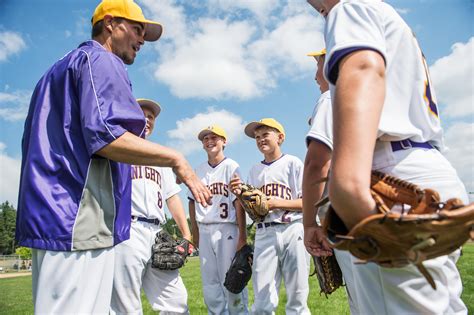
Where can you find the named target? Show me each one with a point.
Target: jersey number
(285, 218)
(224, 210)
(160, 201)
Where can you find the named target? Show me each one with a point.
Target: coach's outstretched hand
(186, 175)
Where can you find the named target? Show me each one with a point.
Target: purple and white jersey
(281, 179)
(409, 110)
(151, 187)
(217, 179)
(321, 121)
(71, 199)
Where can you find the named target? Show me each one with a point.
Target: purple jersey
(70, 198)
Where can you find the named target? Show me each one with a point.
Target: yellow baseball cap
(153, 106)
(269, 122)
(316, 54)
(215, 129)
(129, 10)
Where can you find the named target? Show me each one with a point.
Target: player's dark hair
(97, 28)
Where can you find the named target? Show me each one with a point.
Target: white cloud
(402, 10)
(11, 43)
(184, 136)
(10, 174)
(284, 49)
(461, 151)
(453, 78)
(14, 106)
(233, 55)
(212, 63)
(260, 8)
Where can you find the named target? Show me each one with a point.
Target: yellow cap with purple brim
(269, 122)
(151, 105)
(215, 129)
(129, 10)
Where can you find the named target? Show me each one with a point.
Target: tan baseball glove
(412, 225)
(254, 202)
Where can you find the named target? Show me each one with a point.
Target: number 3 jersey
(151, 187)
(281, 179)
(217, 179)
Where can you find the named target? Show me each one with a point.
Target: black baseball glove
(168, 253)
(240, 270)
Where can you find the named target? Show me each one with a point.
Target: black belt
(267, 224)
(408, 144)
(141, 219)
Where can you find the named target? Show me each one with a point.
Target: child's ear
(281, 138)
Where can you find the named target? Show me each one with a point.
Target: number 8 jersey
(151, 187)
(217, 179)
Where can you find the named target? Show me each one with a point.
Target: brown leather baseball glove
(328, 272)
(254, 202)
(412, 225)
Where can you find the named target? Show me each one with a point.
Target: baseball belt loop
(134, 218)
(406, 144)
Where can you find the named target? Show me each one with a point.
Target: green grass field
(15, 293)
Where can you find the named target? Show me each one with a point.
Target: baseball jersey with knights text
(217, 179)
(70, 198)
(321, 121)
(280, 179)
(374, 25)
(151, 187)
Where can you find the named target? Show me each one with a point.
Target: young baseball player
(388, 120)
(279, 249)
(151, 188)
(219, 229)
(316, 169)
(81, 134)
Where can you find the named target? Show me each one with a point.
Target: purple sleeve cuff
(337, 56)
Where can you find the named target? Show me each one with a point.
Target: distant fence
(13, 263)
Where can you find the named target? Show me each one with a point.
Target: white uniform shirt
(151, 187)
(321, 121)
(409, 110)
(217, 179)
(280, 179)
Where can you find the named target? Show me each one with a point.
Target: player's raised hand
(187, 176)
(235, 184)
(315, 241)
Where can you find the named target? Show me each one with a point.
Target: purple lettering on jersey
(274, 189)
(135, 171)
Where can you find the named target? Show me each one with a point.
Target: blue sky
(227, 62)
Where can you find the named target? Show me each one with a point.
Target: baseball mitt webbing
(412, 225)
(168, 253)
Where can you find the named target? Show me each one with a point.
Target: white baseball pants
(217, 247)
(280, 254)
(164, 289)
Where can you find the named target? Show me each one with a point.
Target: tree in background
(171, 227)
(7, 228)
(24, 252)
